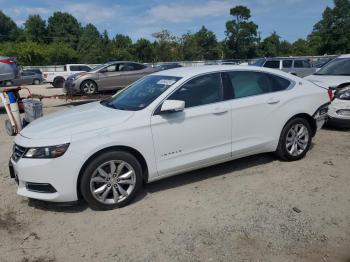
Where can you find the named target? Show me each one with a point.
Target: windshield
(140, 94)
(97, 67)
(257, 62)
(339, 66)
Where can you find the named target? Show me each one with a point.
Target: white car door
(198, 136)
(257, 110)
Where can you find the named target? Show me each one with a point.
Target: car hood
(328, 80)
(88, 117)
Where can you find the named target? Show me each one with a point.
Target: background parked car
(166, 66)
(294, 66)
(109, 76)
(57, 78)
(321, 62)
(26, 77)
(336, 76)
(8, 70)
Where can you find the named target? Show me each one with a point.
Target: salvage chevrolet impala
(164, 124)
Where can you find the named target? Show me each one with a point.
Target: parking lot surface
(253, 209)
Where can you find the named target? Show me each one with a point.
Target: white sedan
(336, 76)
(166, 123)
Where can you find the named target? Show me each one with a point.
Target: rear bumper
(338, 122)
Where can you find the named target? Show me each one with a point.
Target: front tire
(111, 180)
(295, 140)
(88, 87)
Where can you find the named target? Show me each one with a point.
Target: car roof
(194, 71)
(344, 56)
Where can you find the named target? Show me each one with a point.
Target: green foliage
(8, 28)
(63, 40)
(35, 29)
(332, 34)
(241, 34)
(90, 46)
(63, 27)
(144, 50)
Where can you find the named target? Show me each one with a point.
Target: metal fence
(312, 59)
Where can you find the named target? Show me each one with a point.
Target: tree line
(62, 39)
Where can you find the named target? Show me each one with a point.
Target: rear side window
(272, 64)
(199, 91)
(301, 64)
(135, 66)
(287, 63)
(245, 83)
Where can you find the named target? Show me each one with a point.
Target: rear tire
(111, 180)
(295, 140)
(36, 82)
(58, 82)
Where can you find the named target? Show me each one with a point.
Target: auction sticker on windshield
(166, 82)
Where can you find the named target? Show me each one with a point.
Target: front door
(198, 136)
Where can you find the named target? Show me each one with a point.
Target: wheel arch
(128, 149)
(308, 118)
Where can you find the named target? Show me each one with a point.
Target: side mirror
(172, 106)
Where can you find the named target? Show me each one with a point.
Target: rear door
(257, 114)
(132, 72)
(110, 77)
(303, 68)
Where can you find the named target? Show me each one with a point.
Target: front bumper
(71, 87)
(47, 179)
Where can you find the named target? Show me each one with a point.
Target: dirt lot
(253, 209)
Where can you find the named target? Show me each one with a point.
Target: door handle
(273, 101)
(219, 111)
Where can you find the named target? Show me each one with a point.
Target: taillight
(6, 61)
(330, 94)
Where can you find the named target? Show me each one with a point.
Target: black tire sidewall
(58, 82)
(99, 160)
(282, 150)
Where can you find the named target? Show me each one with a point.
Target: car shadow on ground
(220, 170)
(336, 128)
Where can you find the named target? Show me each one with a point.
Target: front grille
(18, 152)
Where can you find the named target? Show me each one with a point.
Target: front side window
(272, 64)
(246, 83)
(199, 91)
(338, 66)
(141, 93)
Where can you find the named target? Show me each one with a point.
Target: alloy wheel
(297, 139)
(112, 182)
(89, 87)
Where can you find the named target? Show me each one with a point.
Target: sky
(291, 19)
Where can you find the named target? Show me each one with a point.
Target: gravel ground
(253, 209)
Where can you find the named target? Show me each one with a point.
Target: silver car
(8, 70)
(295, 66)
(110, 76)
(26, 77)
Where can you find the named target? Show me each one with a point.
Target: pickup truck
(57, 78)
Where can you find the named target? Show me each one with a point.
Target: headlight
(46, 152)
(343, 94)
